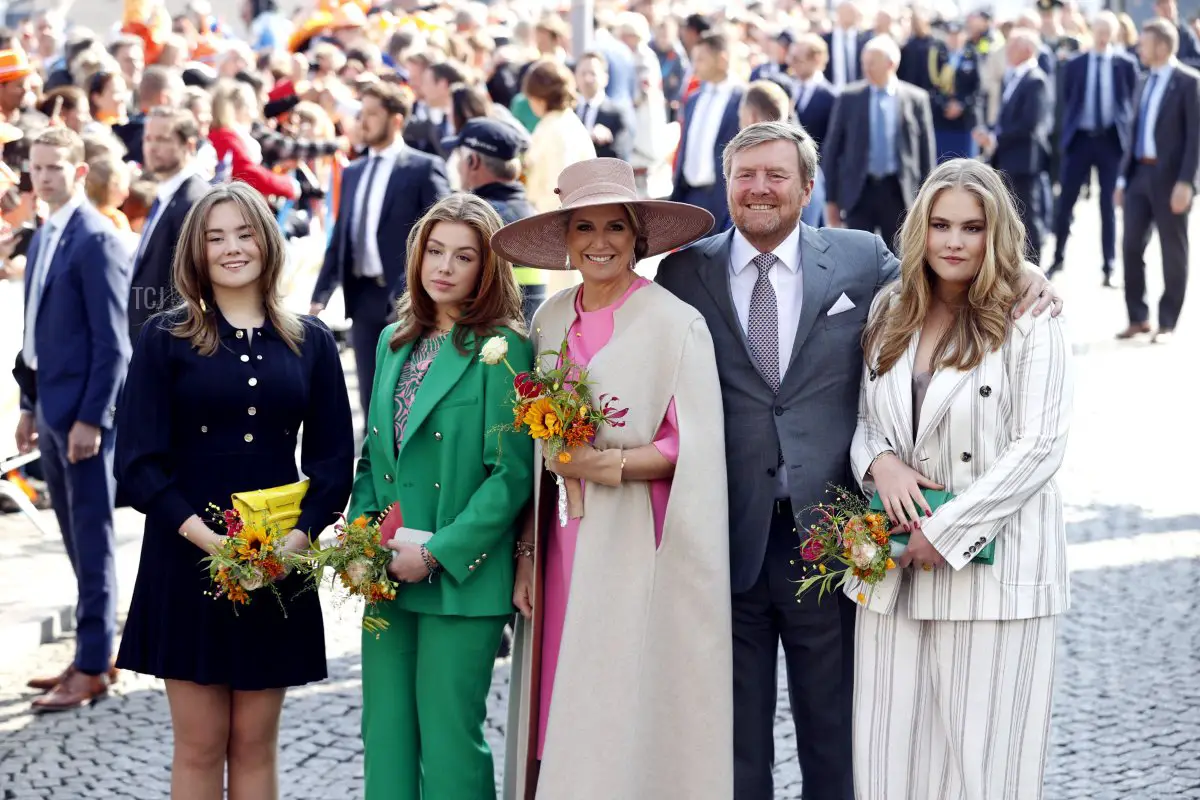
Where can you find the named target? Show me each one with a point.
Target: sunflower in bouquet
(848, 540)
(250, 558)
(359, 561)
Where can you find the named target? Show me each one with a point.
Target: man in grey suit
(786, 305)
(1158, 178)
(879, 148)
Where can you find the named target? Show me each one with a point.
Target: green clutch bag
(935, 498)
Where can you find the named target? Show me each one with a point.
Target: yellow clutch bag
(279, 505)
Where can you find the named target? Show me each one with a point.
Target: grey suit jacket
(813, 417)
(846, 149)
(1176, 132)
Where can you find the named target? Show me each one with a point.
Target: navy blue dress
(195, 429)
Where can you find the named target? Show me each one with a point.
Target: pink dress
(589, 333)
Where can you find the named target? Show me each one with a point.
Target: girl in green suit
(434, 444)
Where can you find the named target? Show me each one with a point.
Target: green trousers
(425, 687)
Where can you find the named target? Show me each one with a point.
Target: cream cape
(643, 695)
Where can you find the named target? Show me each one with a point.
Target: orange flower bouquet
(558, 408)
(359, 560)
(849, 533)
(250, 558)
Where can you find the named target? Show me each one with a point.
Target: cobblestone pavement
(1127, 714)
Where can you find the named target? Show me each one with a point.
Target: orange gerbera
(543, 422)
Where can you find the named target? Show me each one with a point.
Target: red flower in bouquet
(526, 386)
(233, 522)
(812, 550)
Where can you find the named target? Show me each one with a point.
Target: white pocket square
(843, 304)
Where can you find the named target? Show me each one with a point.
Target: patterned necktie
(762, 328)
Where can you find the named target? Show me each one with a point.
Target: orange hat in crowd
(329, 15)
(14, 65)
(150, 22)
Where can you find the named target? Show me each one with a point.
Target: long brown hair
(194, 284)
(983, 324)
(496, 299)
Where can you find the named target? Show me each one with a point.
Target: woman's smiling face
(600, 242)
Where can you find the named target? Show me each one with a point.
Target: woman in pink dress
(621, 682)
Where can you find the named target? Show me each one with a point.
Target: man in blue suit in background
(1097, 130)
(710, 121)
(815, 96)
(1019, 143)
(73, 361)
(384, 193)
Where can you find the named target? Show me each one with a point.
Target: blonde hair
(496, 299)
(983, 324)
(767, 100)
(228, 99)
(98, 184)
(198, 322)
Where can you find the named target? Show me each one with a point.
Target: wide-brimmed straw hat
(541, 240)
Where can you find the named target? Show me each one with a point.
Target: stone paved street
(1127, 714)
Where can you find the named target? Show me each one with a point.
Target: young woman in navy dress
(218, 390)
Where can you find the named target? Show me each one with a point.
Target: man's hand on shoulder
(1038, 293)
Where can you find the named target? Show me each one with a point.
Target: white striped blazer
(994, 437)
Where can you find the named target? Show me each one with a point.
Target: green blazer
(457, 474)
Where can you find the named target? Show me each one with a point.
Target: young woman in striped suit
(954, 660)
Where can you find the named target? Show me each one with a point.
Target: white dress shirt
(787, 279)
(372, 266)
(588, 109)
(56, 224)
(699, 168)
(843, 47)
(805, 89)
(1099, 68)
(163, 195)
(1015, 77)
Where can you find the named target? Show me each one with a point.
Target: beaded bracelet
(430, 564)
(524, 550)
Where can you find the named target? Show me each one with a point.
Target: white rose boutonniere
(494, 351)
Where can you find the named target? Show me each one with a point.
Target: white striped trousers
(951, 710)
